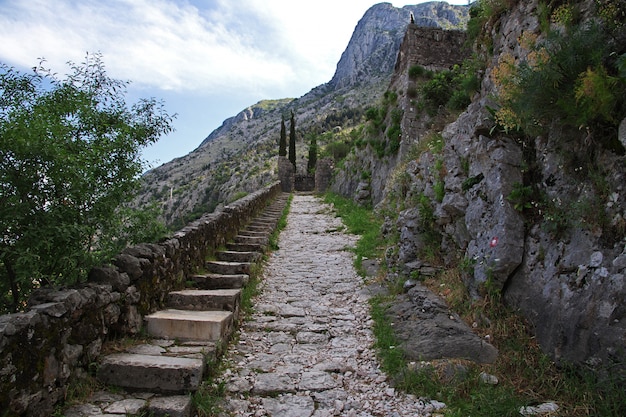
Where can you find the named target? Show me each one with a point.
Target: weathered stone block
(428, 330)
(151, 373)
(190, 325)
(217, 281)
(228, 268)
(202, 300)
(173, 406)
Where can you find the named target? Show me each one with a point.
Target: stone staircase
(157, 377)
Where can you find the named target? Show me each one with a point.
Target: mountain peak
(373, 47)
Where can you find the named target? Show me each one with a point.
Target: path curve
(307, 349)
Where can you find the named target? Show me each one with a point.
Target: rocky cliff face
(374, 46)
(241, 155)
(553, 260)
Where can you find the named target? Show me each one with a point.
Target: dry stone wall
(61, 334)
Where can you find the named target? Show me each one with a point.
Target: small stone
(596, 259)
(538, 410)
(408, 284)
(174, 406)
(317, 381)
(270, 383)
(339, 406)
(437, 405)
(620, 262)
(486, 378)
(289, 406)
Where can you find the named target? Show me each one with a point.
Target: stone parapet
(61, 334)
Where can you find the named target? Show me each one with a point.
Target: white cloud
(269, 48)
(154, 43)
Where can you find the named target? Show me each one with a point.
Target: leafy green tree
(69, 165)
(292, 140)
(312, 154)
(282, 145)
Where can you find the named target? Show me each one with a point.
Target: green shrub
(440, 190)
(438, 90)
(521, 196)
(452, 88)
(416, 71)
(572, 77)
(337, 150)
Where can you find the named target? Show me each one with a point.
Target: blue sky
(207, 59)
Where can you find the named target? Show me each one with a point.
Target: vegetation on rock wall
(574, 75)
(383, 130)
(554, 124)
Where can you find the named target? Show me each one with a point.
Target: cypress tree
(292, 141)
(282, 144)
(312, 154)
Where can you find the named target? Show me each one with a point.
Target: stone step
(234, 256)
(245, 247)
(217, 281)
(172, 406)
(116, 404)
(228, 268)
(151, 373)
(190, 325)
(272, 213)
(261, 240)
(205, 300)
(262, 220)
(194, 349)
(266, 219)
(259, 228)
(256, 233)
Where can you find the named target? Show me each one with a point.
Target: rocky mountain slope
(240, 156)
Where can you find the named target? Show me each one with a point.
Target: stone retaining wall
(59, 337)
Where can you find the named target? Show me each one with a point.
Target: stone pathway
(307, 349)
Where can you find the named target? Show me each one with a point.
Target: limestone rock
(539, 410)
(289, 406)
(428, 330)
(109, 275)
(173, 406)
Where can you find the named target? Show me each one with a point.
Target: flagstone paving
(307, 349)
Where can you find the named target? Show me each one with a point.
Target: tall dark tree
(312, 154)
(292, 140)
(282, 144)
